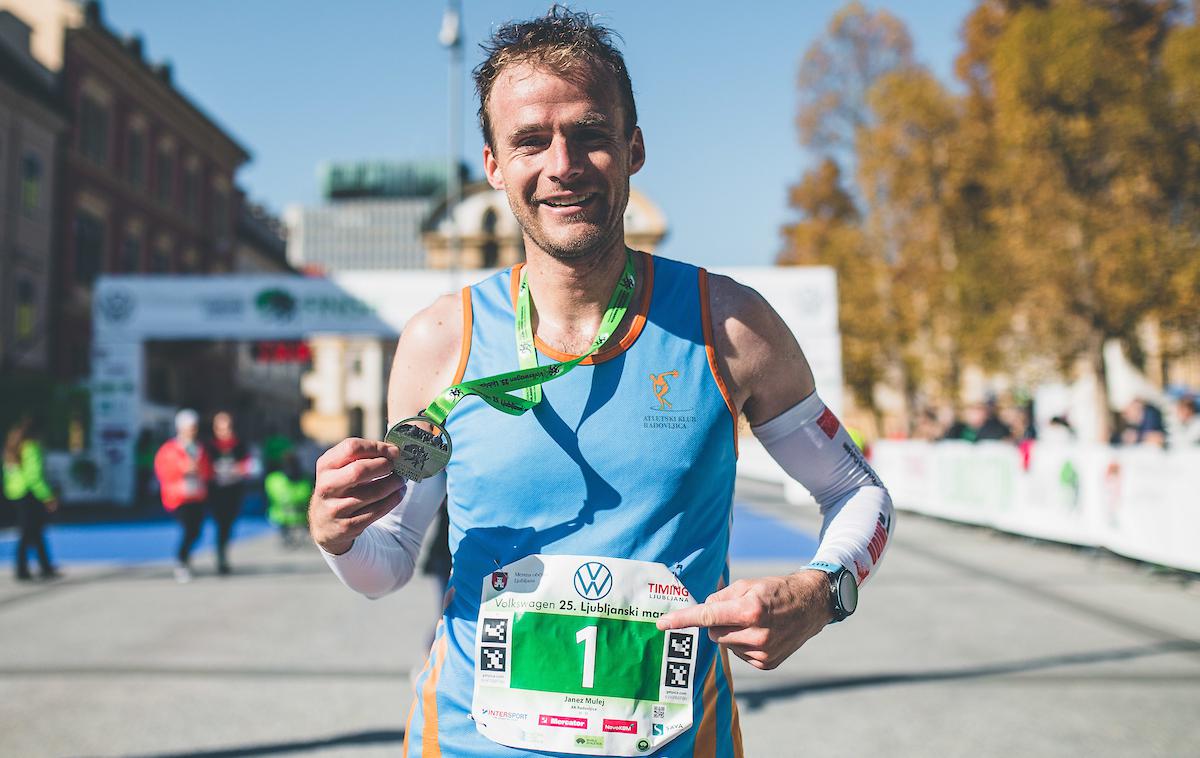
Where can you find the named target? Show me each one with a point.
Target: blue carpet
(127, 542)
(758, 538)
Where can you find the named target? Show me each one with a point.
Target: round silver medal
(424, 448)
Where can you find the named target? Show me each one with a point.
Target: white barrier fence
(1143, 503)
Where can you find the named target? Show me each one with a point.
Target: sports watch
(843, 589)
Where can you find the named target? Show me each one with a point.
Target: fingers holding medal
(424, 448)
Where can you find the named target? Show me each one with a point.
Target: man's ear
(637, 151)
(491, 168)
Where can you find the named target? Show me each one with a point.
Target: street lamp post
(451, 38)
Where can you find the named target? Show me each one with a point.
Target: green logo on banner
(643, 744)
(277, 304)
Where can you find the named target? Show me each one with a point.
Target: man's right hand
(354, 488)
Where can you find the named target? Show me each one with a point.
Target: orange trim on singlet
(706, 734)
(412, 709)
(710, 347)
(735, 721)
(613, 350)
(464, 352)
(429, 732)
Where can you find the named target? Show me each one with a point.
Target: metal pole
(451, 37)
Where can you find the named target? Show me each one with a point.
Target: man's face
(561, 155)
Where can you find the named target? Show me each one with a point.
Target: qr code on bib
(679, 674)
(680, 646)
(493, 659)
(495, 630)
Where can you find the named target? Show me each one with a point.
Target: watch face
(847, 592)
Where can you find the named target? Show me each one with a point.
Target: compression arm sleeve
(383, 558)
(813, 447)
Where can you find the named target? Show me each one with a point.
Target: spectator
(1058, 432)
(231, 463)
(1189, 422)
(184, 470)
(1144, 425)
(288, 491)
(928, 426)
(25, 485)
(982, 422)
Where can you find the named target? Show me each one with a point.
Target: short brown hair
(563, 41)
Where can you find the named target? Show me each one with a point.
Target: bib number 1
(587, 636)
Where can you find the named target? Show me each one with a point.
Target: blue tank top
(632, 455)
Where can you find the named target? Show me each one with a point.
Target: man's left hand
(763, 621)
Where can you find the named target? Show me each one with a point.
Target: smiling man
(589, 511)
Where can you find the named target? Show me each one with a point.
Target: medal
(423, 440)
(424, 448)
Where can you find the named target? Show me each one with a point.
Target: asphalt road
(967, 643)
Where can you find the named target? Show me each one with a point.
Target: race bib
(568, 657)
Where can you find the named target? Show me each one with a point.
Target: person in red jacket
(184, 471)
(231, 465)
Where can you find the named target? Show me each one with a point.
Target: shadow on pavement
(374, 737)
(754, 699)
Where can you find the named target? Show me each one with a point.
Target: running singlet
(631, 455)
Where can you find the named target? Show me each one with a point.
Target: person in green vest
(26, 486)
(288, 491)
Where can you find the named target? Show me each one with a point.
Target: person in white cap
(184, 470)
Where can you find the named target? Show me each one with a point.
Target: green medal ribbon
(426, 451)
(495, 390)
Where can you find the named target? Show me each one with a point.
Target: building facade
(31, 123)
(147, 178)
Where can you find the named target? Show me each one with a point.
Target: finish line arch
(128, 310)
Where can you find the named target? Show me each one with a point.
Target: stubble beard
(594, 242)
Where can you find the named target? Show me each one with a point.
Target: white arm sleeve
(383, 557)
(813, 447)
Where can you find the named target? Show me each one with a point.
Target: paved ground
(968, 643)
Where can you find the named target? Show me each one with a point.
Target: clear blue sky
(303, 81)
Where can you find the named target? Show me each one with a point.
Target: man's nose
(565, 162)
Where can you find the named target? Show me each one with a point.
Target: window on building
(166, 177)
(191, 192)
(131, 255)
(160, 259)
(24, 312)
(31, 184)
(190, 262)
(93, 129)
(220, 213)
(135, 157)
(490, 251)
(89, 246)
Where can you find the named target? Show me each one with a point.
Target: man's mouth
(569, 201)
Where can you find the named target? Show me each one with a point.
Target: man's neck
(571, 296)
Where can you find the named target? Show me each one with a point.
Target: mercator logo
(276, 304)
(593, 580)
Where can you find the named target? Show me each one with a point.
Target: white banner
(129, 309)
(1138, 502)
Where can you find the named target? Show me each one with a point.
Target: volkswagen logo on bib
(593, 580)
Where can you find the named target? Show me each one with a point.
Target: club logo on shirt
(661, 388)
(499, 580)
(593, 580)
(666, 415)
